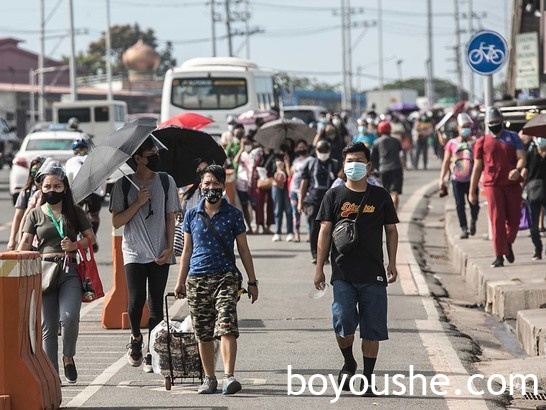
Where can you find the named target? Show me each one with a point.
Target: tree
(442, 88)
(305, 83)
(122, 37)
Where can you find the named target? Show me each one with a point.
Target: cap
(384, 128)
(464, 119)
(323, 146)
(79, 143)
(51, 167)
(493, 116)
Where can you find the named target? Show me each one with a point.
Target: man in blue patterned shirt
(210, 279)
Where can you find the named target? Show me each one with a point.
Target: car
(54, 144)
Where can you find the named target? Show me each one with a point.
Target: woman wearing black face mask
(148, 217)
(57, 223)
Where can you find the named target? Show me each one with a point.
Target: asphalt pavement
(284, 332)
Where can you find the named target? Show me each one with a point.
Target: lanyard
(58, 224)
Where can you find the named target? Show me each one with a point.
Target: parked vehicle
(9, 143)
(54, 144)
(307, 113)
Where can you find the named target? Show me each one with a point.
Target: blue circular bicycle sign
(486, 52)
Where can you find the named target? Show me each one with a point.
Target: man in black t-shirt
(317, 177)
(359, 278)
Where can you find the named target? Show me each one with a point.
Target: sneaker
(290, 238)
(510, 255)
(464, 234)
(472, 230)
(276, 238)
(537, 255)
(208, 386)
(498, 262)
(70, 373)
(148, 364)
(230, 385)
(134, 354)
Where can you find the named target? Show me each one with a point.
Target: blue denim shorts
(363, 304)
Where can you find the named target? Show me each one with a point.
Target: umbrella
(187, 120)
(104, 159)
(536, 126)
(273, 134)
(184, 148)
(249, 117)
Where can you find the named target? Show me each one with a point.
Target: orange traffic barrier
(116, 301)
(230, 185)
(28, 380)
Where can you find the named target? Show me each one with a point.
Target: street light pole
(108, 52)
(380, 42)
(430, 71)
(72, 62)
(41, 115)
(399, 65)
(213, 27)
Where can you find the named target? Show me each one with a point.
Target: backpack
(126, 186)
(462, 162)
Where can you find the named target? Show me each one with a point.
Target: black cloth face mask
(153, 162)
(53, 197)
(212, 195)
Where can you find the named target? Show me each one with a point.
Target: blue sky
(301, 37)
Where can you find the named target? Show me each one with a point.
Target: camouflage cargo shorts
(212, 300)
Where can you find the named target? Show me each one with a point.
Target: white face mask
(323, 156)
(248, 148)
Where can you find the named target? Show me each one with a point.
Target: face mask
(230, 127)
(361, 129)
(541, 142)
(153, 162)
(53, 197)
(212, 195)
(466, 132)
(495, 129)
(336, 122)
(301, 152)
(355, 171)
(248, 148)
(323, 156)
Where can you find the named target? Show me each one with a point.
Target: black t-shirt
(364, 264)
(536, 164)
(321, 176)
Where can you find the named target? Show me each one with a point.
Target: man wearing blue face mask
(458, 161)
(359, 277)
(387, 155)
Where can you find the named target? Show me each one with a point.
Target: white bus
(98, 118)
(217, 87)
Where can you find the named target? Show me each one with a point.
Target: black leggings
(136, 275)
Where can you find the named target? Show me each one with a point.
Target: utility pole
(213, 27)
(380, 42)
(247, 29)
(41, 116)
(458, 50)
(228, 29)
(344, 95)
(108, 53)
(429, 89)
(72, 62)
(470, 33)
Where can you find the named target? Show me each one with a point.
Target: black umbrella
(184, 148)
(104, 159)
(272, 134)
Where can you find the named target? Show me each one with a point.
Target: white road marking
(442, 355)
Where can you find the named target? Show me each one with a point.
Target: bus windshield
(209, 93)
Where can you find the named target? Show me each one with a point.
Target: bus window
(102, 114)
(209, 94)
(82, 114)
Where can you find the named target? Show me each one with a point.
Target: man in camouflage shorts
(209, 278)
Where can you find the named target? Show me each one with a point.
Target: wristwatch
(253, 283)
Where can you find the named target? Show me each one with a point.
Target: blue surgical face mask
(355, 171)
(361, 129)
(466, 132)
(541, 142)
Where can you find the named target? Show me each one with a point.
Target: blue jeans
(363, 304)
(460, 193)
(534, 209)
(281, 201)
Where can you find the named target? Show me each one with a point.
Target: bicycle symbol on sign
(489, 53)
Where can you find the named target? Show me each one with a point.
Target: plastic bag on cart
(158, 343)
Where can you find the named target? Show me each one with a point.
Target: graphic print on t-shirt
(462, 161)
(349, 208)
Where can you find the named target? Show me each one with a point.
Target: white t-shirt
(72, 168)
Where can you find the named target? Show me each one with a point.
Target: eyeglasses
(150, 210)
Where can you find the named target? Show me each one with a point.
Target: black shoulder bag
(345, 235)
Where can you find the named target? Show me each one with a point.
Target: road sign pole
(488, 90)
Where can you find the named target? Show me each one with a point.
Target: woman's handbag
(265, 183)
(345, 235)
(535, 191)
(89, 274)
(525, 218)
(50, 274)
